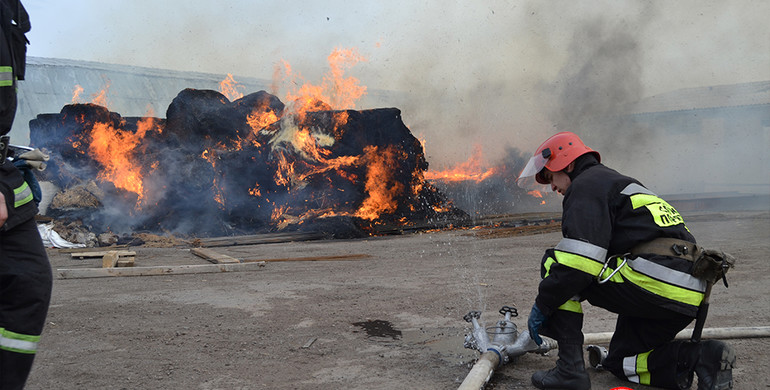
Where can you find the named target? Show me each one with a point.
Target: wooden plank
(313, 258)
(93, 254)
(110, 259)
(80, 273)
(125, 262)
(96, 249)
(270, 238)
(214, 257)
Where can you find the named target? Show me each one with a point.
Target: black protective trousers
(641, 327)
(25, 293)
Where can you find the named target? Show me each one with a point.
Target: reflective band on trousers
(635, 368)
(22, 195)
(6, 76)
(17, 342)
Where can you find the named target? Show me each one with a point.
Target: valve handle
(509, 309)
(472, 314)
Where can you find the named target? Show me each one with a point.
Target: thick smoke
(498, 74)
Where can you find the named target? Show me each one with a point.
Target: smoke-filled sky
(490, 73)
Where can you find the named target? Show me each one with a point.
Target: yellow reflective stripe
(587, 265)
(547, 265)
(635, 368)
(17, 342)
(661, 288)
(22, 195)
(6, 76)
(580, 263)
(607, 272)
(571, 305)
(662, 213)
(641, 368)
(667, 275)
(583, 248)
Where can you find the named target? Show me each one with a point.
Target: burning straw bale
(215, 167)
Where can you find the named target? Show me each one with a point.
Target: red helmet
(556, 153)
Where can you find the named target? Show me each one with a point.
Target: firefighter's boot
(569, 373)
(712, 361)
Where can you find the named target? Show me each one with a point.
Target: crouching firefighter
(626, 250)
(25, 273)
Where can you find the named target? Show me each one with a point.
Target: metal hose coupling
(596, 356)
(503, 339)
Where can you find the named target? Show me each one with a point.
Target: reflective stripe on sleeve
(580, 255)
(571, 305)
(17, 342)
(547, 265)
(582, 248)
(22, 195)
(580, 263)
(6, 76)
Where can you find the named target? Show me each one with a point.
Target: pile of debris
(214, 167)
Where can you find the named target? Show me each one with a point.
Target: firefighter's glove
(536, 320)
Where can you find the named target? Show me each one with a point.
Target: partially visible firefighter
(628, 251)
(25, 273)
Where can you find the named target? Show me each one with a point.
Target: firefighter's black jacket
(605, 214)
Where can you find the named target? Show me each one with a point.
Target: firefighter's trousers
(25, 293)
(642, 349)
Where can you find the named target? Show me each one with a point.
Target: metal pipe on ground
(745, 332)
(481, 372)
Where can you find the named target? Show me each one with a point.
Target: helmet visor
(528, 176)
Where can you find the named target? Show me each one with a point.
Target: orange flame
(230, 88)
(380, 187)
(113, 149)
(336, 90)
(344, 91)
(259, 120)
(472, 169)
(76, 94)
(100, 98)
(535, 193)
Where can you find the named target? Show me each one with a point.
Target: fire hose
(502, 344)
